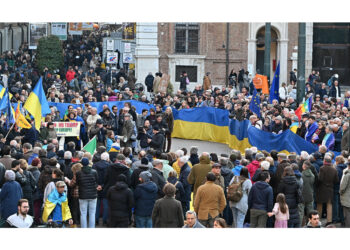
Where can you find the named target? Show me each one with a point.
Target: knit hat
(146, 176)
(99, 121)
(35, 162)
(85, 161)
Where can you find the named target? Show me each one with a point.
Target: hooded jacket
(120, 200)
(113, 171)
(145, 196)
(261, 197)
(198, 173)
(180, 191)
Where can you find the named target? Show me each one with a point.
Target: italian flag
(91, 146)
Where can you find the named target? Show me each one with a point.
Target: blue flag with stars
(274, 94)
(255, 103)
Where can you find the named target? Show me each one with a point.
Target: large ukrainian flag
(212, 124)
(52, 200)
(37, 104)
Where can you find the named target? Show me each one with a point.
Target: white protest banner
(66, 129)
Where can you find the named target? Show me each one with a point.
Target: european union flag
(255, 103)
(275, 85)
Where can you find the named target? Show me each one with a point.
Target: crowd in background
(135, 178)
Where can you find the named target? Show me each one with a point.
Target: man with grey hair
(91, 119)
(192, 221)
(158, 177)
(11, 193)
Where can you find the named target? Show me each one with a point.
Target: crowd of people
(135, 178)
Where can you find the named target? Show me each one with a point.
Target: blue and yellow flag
(50, 204)
(274, 90)
(5, 106)
(37, 104)
(255, 103)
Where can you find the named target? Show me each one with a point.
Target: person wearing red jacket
(70, 74)
(255, 164)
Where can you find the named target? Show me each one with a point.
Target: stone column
(283, 60)
(251, 56)
(146, 51)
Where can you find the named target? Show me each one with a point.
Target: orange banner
(260, 82)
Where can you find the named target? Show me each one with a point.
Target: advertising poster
(36, 31)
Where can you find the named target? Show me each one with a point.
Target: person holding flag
(274, 90)
(254, 105)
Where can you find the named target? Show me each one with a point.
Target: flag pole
(10, 130)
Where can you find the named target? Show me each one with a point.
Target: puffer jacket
(101, 168)
(289, 187)
(344, 189)
(86, 179)
(145, 196)
(120, 200)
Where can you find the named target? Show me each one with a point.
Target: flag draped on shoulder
(274, 90)
(91, 146)
(37, 104)
(21, 121)
(255, 103)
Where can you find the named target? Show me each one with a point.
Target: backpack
(235, 191)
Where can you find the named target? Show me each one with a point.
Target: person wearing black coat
(335, 90)
(184, 172)
(157, 176)
(136, 174)
(120, 202)
(86, 180)
(149, 82)
(183, 81)
(289, 187)
(101, 168)
(180, 191)
(157, 140)
(112, 173)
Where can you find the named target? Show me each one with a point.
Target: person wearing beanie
(101, 168)
(10, 194)
(87, 181)
(145, 196)
(120, 202)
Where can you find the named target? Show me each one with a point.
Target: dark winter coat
(145, 196)
(184, 172)
(10, 194)
(101, 168)
(261, 197)
(167, 213)
(157, 141)
(113, 171)
(120, 200)
(340, 169)
(345, 140)
(86, 180)
(308, 185)
(327, 178)
(158, 179)
(29, 186)
(289, 187)
(180, 191)
(136, 174)
(36, 174)
(194, 159)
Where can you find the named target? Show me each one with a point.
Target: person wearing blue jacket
(260, 201)
(10, 194)
(145, 196)
(184, 172)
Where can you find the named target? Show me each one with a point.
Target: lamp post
(267, 50)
